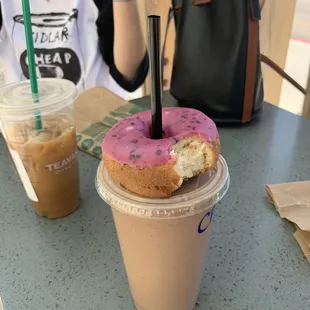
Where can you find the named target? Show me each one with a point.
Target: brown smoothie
(164, 259)
(164, 241)
(49, 160)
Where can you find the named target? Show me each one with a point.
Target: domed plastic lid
(54, 94)
(198, 194)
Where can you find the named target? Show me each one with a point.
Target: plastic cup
(46, 159)
(164, 241)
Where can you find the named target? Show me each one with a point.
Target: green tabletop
(253, 262)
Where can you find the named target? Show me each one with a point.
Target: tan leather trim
(195, 2)
(201, 2)
(251, 66)
(178, 6)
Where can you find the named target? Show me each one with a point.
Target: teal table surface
(253, 261)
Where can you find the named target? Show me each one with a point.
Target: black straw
(156, 80)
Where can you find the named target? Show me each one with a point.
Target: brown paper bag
(292, 201)
(96, 111)
(303, 239)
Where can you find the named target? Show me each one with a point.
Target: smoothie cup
(164, 241)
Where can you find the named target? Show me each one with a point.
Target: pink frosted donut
(156, 168)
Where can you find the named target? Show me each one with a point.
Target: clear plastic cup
(46, 159)
(164, 241)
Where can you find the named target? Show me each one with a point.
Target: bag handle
(271, 64)
(264, 59)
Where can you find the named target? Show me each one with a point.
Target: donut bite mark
(157, 168)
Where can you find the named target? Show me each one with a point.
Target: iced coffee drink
(50, 159)
(45, 158)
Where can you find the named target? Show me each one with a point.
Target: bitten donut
(156, 168)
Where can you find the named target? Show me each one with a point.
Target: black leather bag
(217, 67)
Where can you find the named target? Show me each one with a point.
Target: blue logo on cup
(205, 222)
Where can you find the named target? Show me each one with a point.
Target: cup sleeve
(137, 81)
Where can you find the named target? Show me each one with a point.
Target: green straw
(31, 62)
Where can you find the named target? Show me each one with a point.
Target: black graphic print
(60, 63)
(51, 30)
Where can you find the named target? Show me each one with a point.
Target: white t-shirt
(65, 40)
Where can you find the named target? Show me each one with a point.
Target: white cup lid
(195, 195)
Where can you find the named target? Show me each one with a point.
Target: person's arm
(129, 44)
(121, 42)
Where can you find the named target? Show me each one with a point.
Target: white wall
(297, 66)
